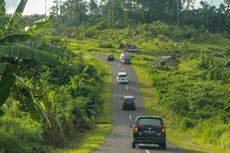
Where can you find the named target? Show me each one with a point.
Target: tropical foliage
(47, 93)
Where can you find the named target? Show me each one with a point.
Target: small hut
(167, 61)
(129, 48)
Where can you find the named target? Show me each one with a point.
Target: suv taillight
(137, 128)
(162, 127)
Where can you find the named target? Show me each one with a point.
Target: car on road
(125, 58)
(110, 57)
(122, 77)
(148, 130)
(128, 103)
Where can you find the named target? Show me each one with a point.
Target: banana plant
(13, 55)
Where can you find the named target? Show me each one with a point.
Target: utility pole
(45, 7)
(207, 15)
(177, 11)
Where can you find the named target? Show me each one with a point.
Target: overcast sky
(38, 6)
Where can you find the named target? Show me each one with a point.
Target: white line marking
(130, 117)
(119, 64)
(123, 69)
(147, 151)
(127, 88)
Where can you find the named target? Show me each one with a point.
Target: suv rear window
(122, 76)
(150, 121)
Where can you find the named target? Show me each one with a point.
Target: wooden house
(167, 61)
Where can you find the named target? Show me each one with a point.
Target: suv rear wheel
(133, 145)
(163, 145)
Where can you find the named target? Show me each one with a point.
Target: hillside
(194, 98)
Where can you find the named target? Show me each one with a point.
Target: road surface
(118, 140)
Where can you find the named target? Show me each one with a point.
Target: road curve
(118, 140)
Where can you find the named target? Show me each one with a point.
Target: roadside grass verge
(88, 142)
(178, 138)
(91, 140)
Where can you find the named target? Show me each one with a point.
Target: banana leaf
(21, 52)
(39, 108)
(2, 67)
(12, 38)
(2, 8)
(6, 83)
(38, 25)
(3, 20)
(18, 12)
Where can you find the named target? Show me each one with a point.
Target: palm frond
(20, 52)
(2, 8)
(38, 25)
(14, 38)
(6, 83)
(18, 12)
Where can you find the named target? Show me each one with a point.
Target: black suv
(110, 57)
(148, 130)
(128, 103)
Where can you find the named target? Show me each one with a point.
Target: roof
(122, 73)
(163, 59)
(129, 47)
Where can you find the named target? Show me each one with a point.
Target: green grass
(89, 142)
(89, 45)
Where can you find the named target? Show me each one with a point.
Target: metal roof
(122, 73)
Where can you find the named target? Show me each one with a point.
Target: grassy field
(185, 139)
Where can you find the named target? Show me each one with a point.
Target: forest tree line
(126, 12)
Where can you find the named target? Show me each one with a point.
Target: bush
(20, 135)
(105, 45)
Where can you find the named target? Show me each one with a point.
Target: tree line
(76, 12)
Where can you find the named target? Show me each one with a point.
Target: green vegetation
(48, 95)
(54, 92)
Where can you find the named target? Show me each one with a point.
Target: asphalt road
(118, 140)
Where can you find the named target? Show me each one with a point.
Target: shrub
(105, 45)
(20, 135)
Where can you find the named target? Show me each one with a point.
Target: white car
(122, 77)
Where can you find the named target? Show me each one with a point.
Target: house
(167, 61)
(129, 48)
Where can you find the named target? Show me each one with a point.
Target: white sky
(38, 6)
(32, 6)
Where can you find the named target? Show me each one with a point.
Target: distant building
(167, 61)
(129, 48)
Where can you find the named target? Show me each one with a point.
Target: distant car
(122, 77)
(125, 58)
(110, 57)
(128, 103)
(148, 130)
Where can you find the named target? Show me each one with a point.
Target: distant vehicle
(128, 103)
(125, 58)
(110, 57)
(148, 130)
(122, 77)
